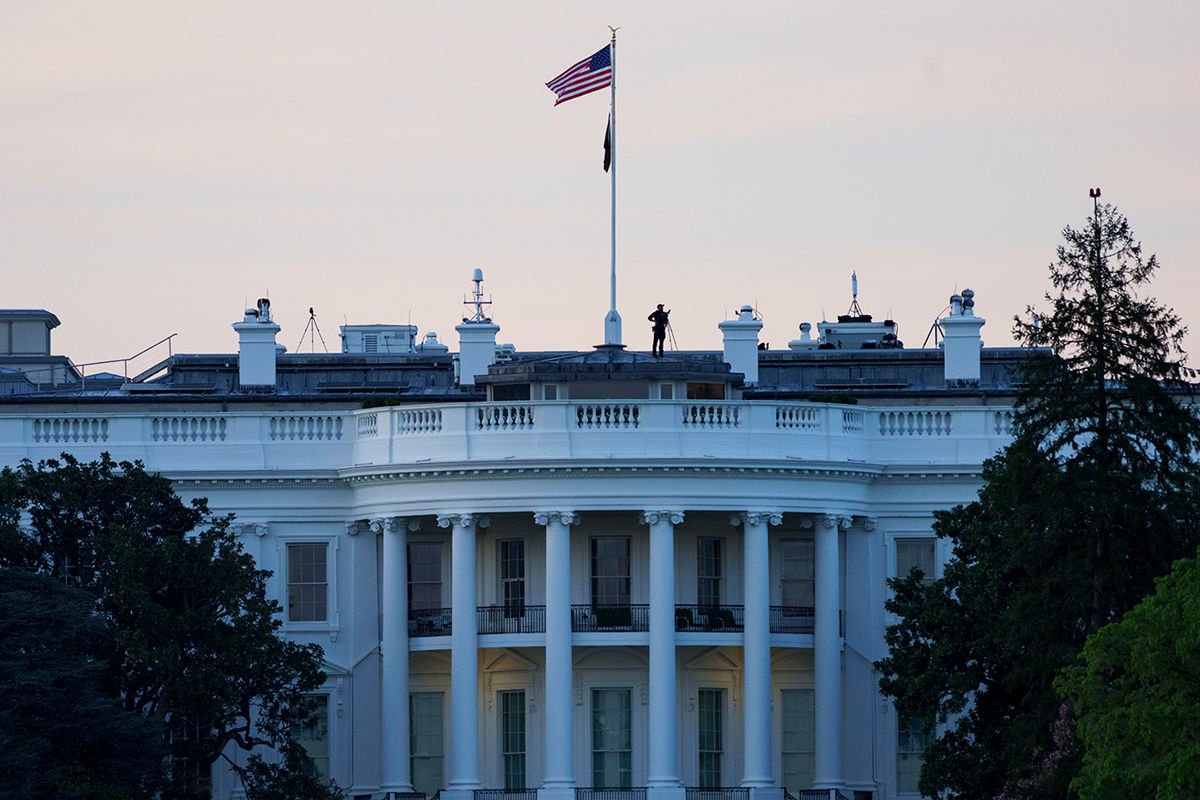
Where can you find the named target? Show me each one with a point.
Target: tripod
(671, 337)
(313, 332)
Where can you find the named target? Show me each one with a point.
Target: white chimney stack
(961, 342)
(741, 343)
(256, 346)
(476, 337)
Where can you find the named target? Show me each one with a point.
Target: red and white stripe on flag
(589, 75)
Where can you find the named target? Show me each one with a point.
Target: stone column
(463, 775)
(559, 781)
(827, 652)
(393, 647)
(756, 647)
(662, 779)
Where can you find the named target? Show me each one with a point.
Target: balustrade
(719, 619)
(70, 429)
(188, 429)
(418, 420)
(914, 423)
(589, 618)
(429, 622)
(511, 619)
(504, 418)
(323, 427)
(792, 619)
(607, 415)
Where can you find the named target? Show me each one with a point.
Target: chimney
(961, 342)
(476, 337)
(741, 343)
(806, 341)
(256, 346)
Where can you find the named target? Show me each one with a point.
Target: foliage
(61, 735)
(1095, 497)
(190, 636)
(1136, 696)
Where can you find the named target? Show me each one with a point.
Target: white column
(393, 647)
(756, 647)
(662, 778)
(827, 652)
(463, 776)
(559, 780)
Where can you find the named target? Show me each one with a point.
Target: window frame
(412, 732)
(331, 624)
(592, 751)
(721, 695)
(515, 610)
(904, 736)
(442, 563)
(931, 541)
(502, 698)
(628, 576)
(716, 579)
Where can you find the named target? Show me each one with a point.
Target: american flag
(589, 75)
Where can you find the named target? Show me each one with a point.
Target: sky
(164, 164)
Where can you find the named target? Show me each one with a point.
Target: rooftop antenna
(313, 332)
(477, 300)
(935, 330)
(855, 310)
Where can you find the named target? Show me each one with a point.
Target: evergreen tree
(1095, 497)
(190, 637)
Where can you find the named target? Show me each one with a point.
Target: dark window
(612, 739)
(706, 391)
(512, 738)
(610, 571)
(424, 575)
(710, 703)
(308, 587)
(426, 750)
(708, 571)
(510, 392)
(512, 577)
(796, 568)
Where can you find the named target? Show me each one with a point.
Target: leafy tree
(190, 635)
(61, 735)
(1095, 497)
(1136, 696)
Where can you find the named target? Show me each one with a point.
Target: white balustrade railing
(711, 415)
(741, 431)
(509, 417)
(188, 429)
(368, 425)
(417, 420)
(70, 429)
(611, 415)
(914, 423)
(294, 428)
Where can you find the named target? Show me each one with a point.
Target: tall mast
(612, 322)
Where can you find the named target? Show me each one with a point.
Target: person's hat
(660, 305)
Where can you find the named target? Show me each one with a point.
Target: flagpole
(612, 322)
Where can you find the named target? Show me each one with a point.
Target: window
(425, 741)
(550, 391)
(915, 554)
(666, 391)
(913, 736)
(314, 737)
(612, 739)
(711, 702)
(512, 738)
(424, 576)
(610, 571)
(798, 748)
(510, 392)
(511, 559)
(708, 571)
(308, 587)
(796, 566)
(706, 391)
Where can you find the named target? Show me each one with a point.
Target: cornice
(392, 473)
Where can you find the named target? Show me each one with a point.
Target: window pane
(710, 702)
(424, 575)
(708, 571)
(612, 738)
(610, 571)
(512, 738)
(796, 566)
(915, 554)
(912, 736)
(425, 741)
(307, 589)
(512, 575)
(314, 737)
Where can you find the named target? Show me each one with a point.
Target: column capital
(463, 520)
(654, 517)
(756, 518)
(868, 523)
(835, 521)
(259, 529)
(546, 517)
(353, 527)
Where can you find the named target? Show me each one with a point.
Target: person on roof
(661, 320)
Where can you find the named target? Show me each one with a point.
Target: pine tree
(1096, 496)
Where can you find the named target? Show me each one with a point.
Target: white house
(595, 575)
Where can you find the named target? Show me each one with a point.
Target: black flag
(608, 144)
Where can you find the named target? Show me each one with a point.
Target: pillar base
(665, 793)
(556, 793)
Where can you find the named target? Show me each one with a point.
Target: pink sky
(163, 163)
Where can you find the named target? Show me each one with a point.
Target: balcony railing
(429, 622)
(505, 794)
(512, 619)
(731, 793)
(638, 793)
(791, 619)
(718, 619)
(589, 618)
